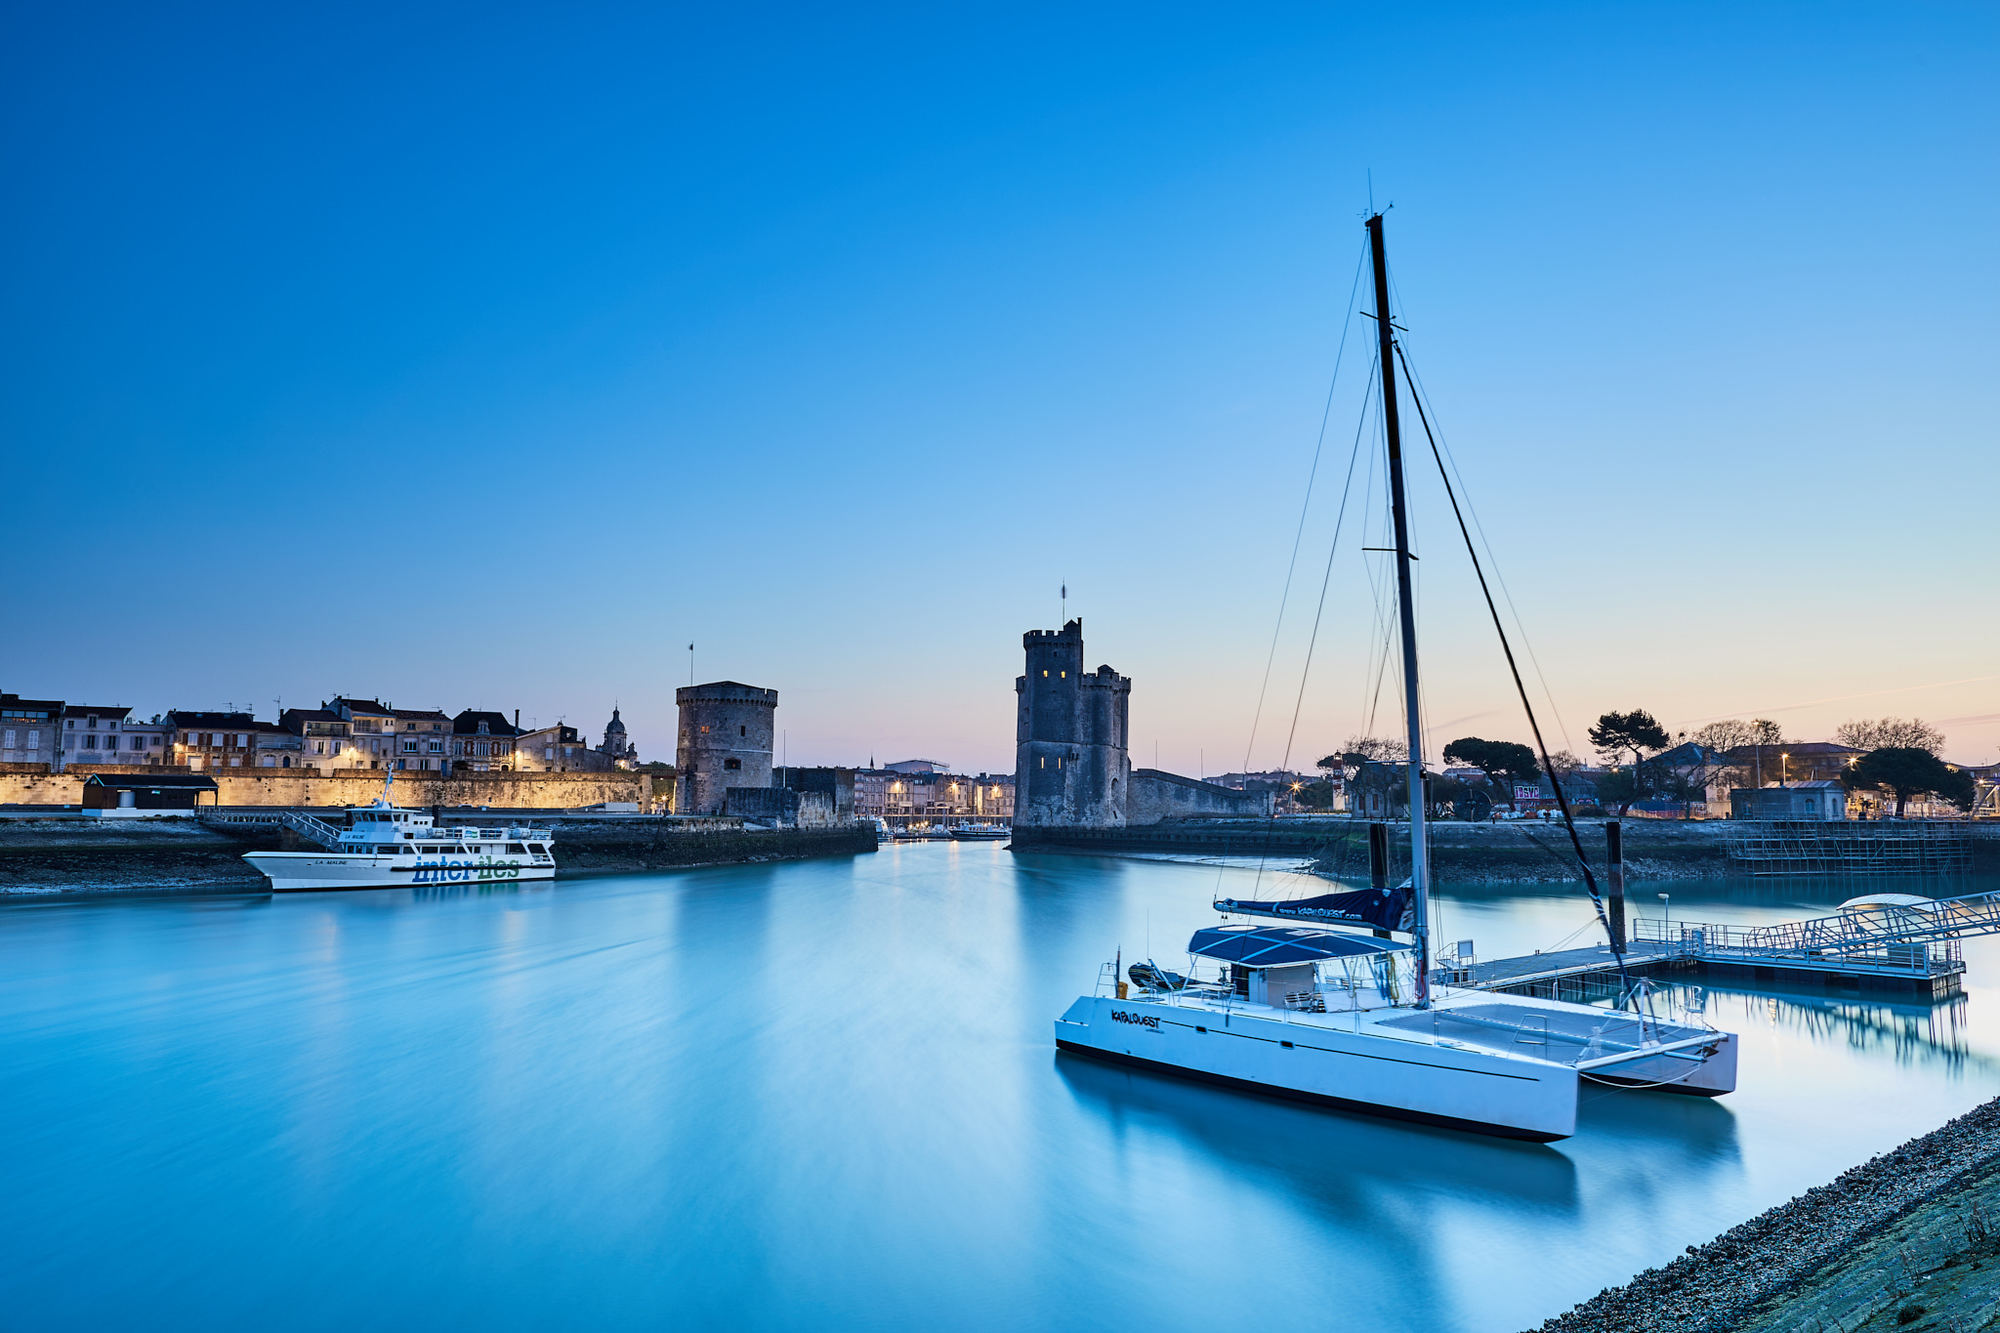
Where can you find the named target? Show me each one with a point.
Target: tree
(1891, 733)
(1636, 731)
(1619, 787)
(1503, 762)
(1909, 770)
(1379, 749)
(1735, 736)
(1729, 734)
(1616, 733)
(1562, 763)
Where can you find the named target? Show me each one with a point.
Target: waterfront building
(483, 742)
(423, 736)
(557, 749)
(28, 729)
(371, 729)
(871, 792)
(724, 740)
(90, 734)
(324, 740)
(277, 746)
(148, 743)
(1818, 799)
(1071, 768)
(208, 740)
(1793, 761)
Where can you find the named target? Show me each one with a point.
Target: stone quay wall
(33, 784)
(74, 853)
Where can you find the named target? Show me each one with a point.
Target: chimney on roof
(517, 718)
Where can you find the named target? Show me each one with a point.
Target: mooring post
(1614, 845)
(1378, 863)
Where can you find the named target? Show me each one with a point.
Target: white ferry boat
(981, 832)
(386, 846)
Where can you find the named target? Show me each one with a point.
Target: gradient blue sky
(487, 356)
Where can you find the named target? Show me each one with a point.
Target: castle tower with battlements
(1071, 769)
(726, 730)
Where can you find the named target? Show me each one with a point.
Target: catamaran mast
(1420, 861)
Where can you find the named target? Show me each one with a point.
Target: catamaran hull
(1709, 1071)
(1399, 1078)
(300, 872)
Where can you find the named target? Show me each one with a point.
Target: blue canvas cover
(1284, 946)
(1384, 909)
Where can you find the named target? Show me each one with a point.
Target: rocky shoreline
(1909, 1240)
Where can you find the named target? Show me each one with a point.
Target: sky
(489, 356)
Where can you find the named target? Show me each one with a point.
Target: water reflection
(1909, 1033)
(825, 1094)
(1330, 1157)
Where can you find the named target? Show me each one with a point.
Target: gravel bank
(1875, 1245)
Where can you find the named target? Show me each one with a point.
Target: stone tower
(1070, 765)
(725, 741)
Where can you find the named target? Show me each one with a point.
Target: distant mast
(1420, 861)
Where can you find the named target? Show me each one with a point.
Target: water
(825, 1094)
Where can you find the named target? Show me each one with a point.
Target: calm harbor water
(825, 1094)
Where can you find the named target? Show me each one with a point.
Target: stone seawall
(76, 854)
(1514, 850)
(1907, 1241)
(23, 784)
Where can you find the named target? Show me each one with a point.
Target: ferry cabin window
(536, 848)
(516, 849)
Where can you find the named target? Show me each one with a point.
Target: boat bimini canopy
(1284, 946)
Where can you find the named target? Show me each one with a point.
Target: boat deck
(1564, 1035)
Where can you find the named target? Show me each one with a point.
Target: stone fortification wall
(1071, 769)
(264, 787)
(1155, 796)
(783, 806)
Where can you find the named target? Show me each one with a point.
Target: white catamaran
(389, 846)
(1355, 1020)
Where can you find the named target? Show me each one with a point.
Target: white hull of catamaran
(294, 872)
(1708, 1072)
(1404, 1076)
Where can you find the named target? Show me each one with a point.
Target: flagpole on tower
(1065, 603)
(690, 666)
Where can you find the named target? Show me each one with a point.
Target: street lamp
(1785, 774)
(1667, 910)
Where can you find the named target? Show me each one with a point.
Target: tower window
(743, 731)
(1045, 673)
(1065, 675)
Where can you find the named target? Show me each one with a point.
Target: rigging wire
(1305, 508)
(1562, 800)
(1499, 575)
(1326, 580)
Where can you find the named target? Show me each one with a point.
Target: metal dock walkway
(1909, 945)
